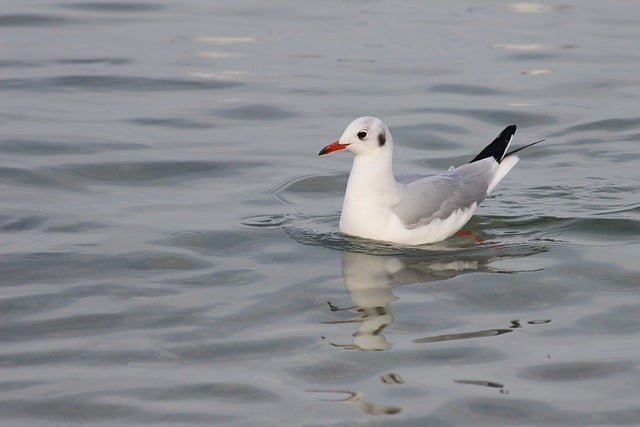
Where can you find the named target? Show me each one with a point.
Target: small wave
(35, 20)
(496, 117)
(71, 266)
(152, 171)
(256, 112)
(46, 147)
(309, 186)
(23, 177)
(322, 230)
(607, 125)
(123, 7)
(463, 89)
(22, 224)
(575, 230)
(215, 242)
(463, 335)
(94, 60)
(108, 83)
(174, 123)
(267, 222)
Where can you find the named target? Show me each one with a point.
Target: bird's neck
(372, 177)
(372, 188)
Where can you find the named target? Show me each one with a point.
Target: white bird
(427, 210)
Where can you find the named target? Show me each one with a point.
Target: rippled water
(170, 245)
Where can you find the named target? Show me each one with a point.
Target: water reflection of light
(529, 7)
(222, 40)
(210, 54)
(536, 72)
(521, 47)
(225, 75)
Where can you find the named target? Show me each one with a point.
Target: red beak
(334, 146)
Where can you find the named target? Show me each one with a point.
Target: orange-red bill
(334, 146)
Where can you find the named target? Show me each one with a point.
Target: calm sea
(170, 252)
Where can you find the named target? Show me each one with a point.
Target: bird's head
(363, 136)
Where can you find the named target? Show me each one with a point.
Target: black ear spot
(382, 139)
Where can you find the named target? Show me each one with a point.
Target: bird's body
(426, 210)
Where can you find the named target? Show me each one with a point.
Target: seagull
(427, 210)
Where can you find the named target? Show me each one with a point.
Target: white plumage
(427, 210)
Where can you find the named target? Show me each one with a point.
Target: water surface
(170, 245)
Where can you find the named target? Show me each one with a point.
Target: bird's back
(439, 196)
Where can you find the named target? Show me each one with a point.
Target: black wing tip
(507, 133)
(498, 146)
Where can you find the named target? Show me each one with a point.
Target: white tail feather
(503, 169)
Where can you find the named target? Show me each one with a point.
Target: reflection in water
(370, 280)
(464, 335)
(490, 384)
(392, 378)
(368, 335)
(483, 383)
(366, 406)
(355, 397)
(514, 324)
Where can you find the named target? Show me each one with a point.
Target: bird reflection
(370, 280)
(356, 398)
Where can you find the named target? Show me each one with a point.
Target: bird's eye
(362, 134)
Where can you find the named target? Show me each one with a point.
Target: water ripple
(429, 135)
(153, 172)
(75, 176)
(23, 177)
(45, 147)
(558, 229)
(88, 324)
(67, 409)
(466, 90)
(114, 6)
(256, 112)
(132, 172)
(230, 391)
(174, 123)
(35, 20)
(22, 224)
(309, 186)
(92, 61)
(211, 243)
(576, 370)
(322, 230)
(112, 83)
(13, 63)
(496, 117)
(607, 125)
(486, 411)
(36, 267)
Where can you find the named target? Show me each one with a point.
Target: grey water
(169, 244)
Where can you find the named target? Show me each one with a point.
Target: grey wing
(439, 196)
